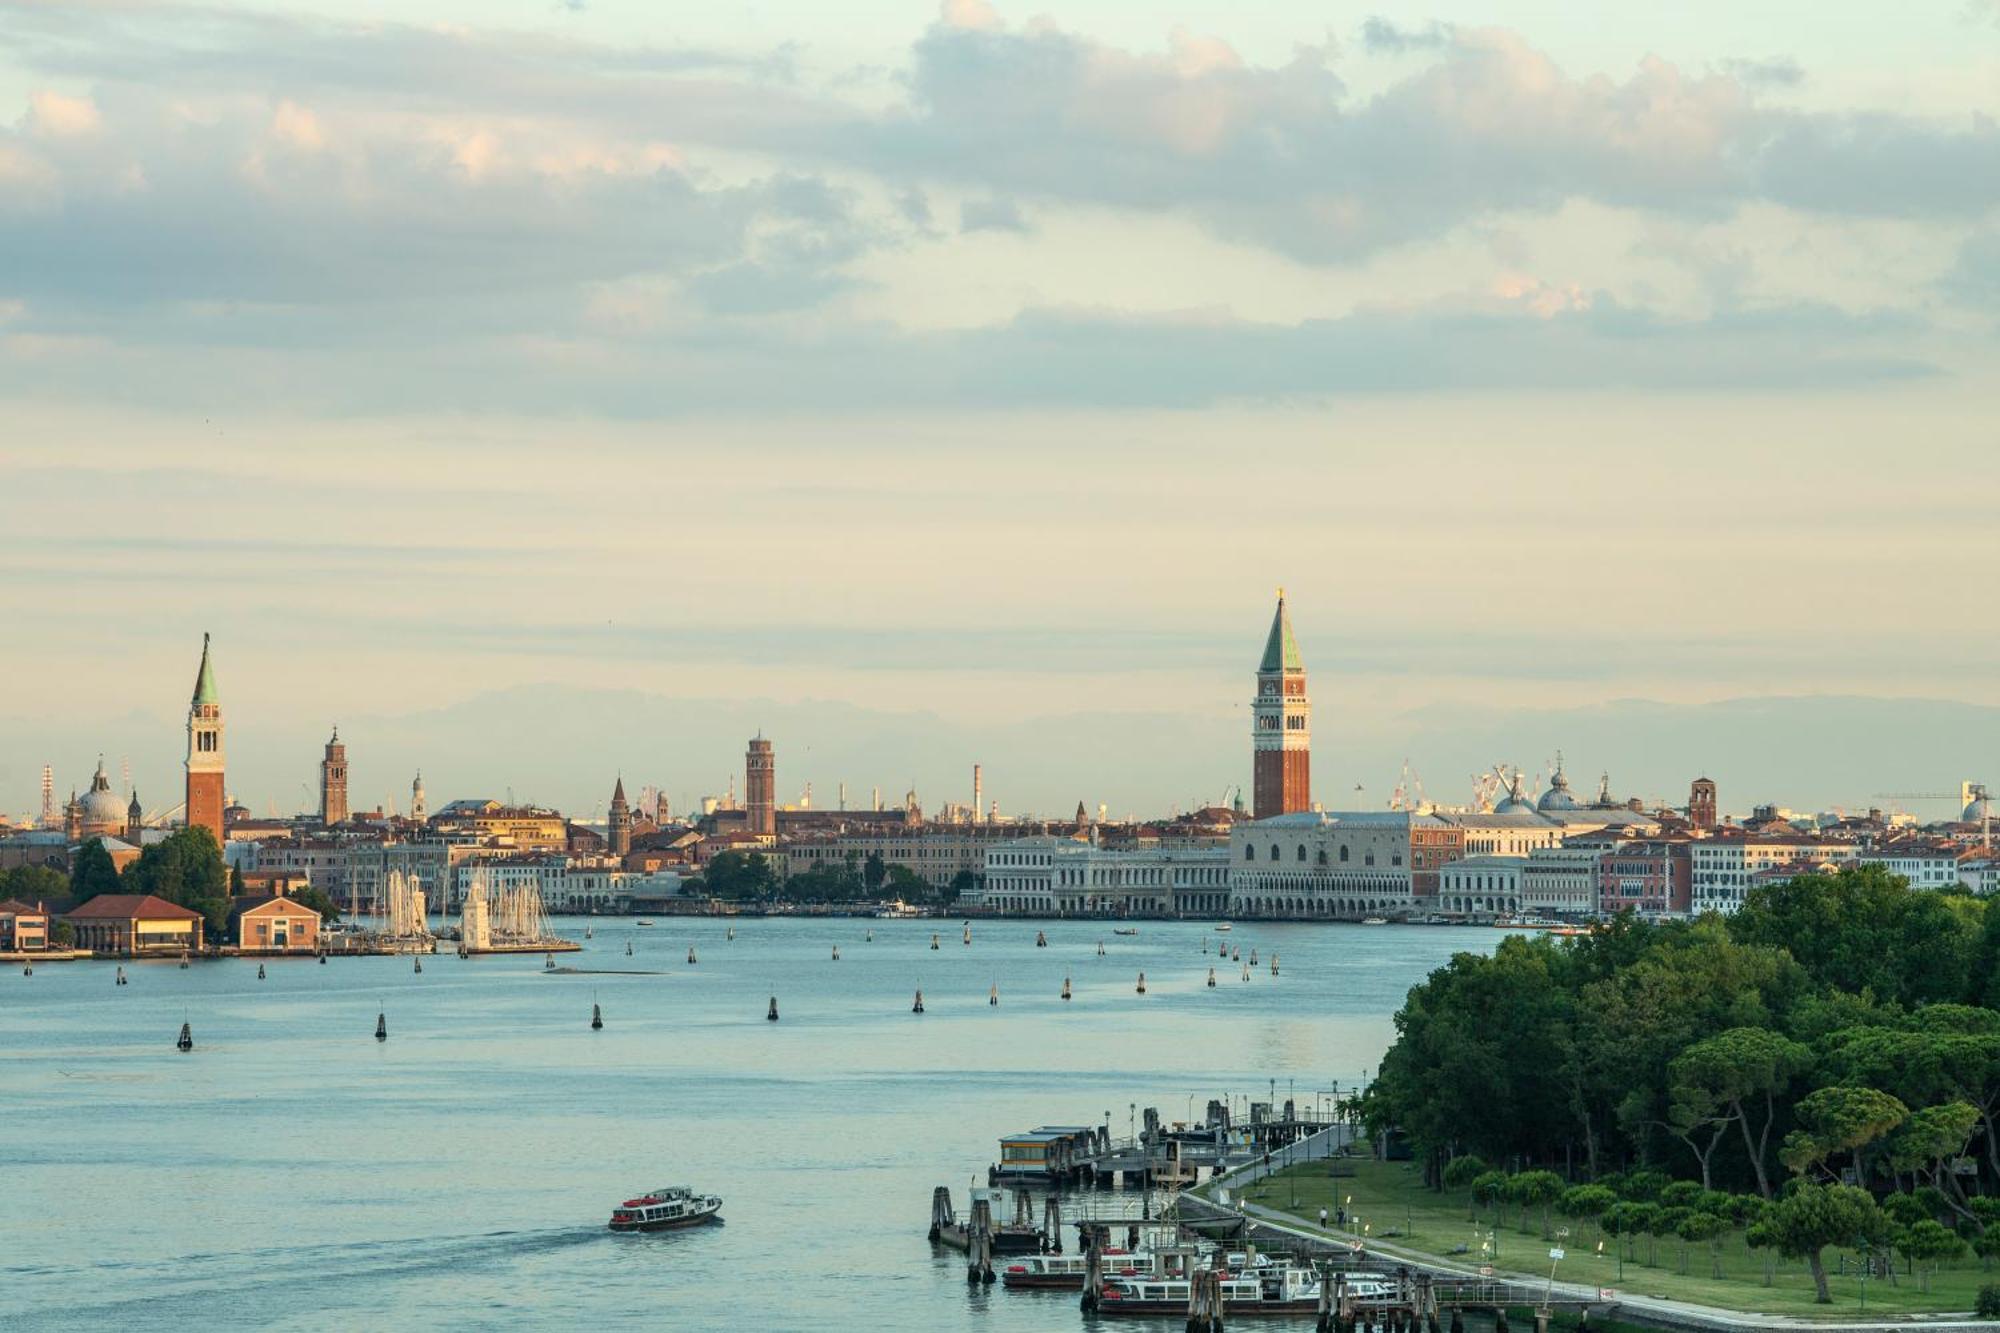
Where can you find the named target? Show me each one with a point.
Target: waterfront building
(522, 827)
(1482, 886)
(760, 777)
(1316, 865)
(1647, 876)
(134, 925)
(274, 924)
(564, 884)
(1281, 725)
(1562, 881)
(619, 824)
(1724, 865)
(23, 929)
(1925, 865)
(333, 783)
(938, 853)
(1055, 876)
(205, 755)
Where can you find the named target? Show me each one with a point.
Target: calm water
(294, 1173)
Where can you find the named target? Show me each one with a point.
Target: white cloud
(57, 116)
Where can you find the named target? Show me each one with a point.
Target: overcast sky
(989, 362)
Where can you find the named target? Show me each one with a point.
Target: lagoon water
(294, 1173)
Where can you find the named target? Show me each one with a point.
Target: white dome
(1976, 810)
(1557, 797)
(100, 809)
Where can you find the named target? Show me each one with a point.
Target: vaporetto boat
(665, 1209)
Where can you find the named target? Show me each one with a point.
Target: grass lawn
(1387, 1201)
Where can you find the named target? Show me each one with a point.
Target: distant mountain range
(564, 746)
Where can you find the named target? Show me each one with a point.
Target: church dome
(1557, 797)
(1976, 809)
(100, 810)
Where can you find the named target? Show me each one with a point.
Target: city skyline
(963, 363)
(460, 746)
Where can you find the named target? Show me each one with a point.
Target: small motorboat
(666, 1209)
(1124, 930)
(642, 921)
(1222, 925)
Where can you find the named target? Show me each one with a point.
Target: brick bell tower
(205, 797)
(1281, 725)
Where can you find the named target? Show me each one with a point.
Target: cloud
(1386, 37)
(1781, 72)
(57, 116)
(991, 215)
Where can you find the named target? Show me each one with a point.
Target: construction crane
(1409, 792)
(1969, 793)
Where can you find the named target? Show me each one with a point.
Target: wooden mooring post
(1051, 1225)
(1093, 1267)
(941, 1214)
(979, 1243)
(1205, 1301)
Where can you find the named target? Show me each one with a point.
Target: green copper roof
(204, 684)
(1281, 650)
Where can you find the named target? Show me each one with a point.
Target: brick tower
(333, 783)
(204, 753)
(1701, 803)
(760, 776)
(1281, 725)
(619, 827)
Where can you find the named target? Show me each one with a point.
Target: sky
(977, 369)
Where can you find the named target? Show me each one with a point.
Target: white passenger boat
(1266, 1287)
(666, 1209)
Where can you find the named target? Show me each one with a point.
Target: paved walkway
(1659, 1311)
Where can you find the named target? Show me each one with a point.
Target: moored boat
(666, 1209)
(1066, 1272)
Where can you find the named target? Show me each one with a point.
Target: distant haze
(564, 746)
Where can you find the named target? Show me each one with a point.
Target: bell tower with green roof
(205, 760)
(1281, 725)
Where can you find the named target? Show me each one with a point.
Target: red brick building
(1652, 877)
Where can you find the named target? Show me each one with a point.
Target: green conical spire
(204, 683)
(1281, 650)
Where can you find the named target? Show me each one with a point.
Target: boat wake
(196, 1288)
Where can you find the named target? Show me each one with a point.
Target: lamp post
(1865, 1266)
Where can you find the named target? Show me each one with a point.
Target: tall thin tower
(205, 758)
(1281, 724)
(48, 819)
(333, 783)
(760, 777)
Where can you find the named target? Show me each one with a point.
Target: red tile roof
(132, 907)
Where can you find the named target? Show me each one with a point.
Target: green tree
(1539, 1190)
(1864, 929)
(905, 883)
(1737, 1076)
(738, 876)
(1808, 1217)
(1459, 1174)
(1929, 1243)
(873, 871)
(33, 884)
(1649, 1220)
(964, 882)
(1586, 1203)
(318, 902)
(1701, 1227)
(185, 868)
(236, 889)
(1489, 1188)
(92, 872)
(1840, 1119)
(1620, 1222)
(1931, 1139)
